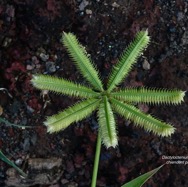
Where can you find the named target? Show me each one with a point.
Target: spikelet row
(150, 95)
(145, 121)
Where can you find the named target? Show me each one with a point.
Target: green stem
(96, 162)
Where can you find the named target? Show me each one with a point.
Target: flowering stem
(96, 162)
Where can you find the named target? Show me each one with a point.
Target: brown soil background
(30, 33)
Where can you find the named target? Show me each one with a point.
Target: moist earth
(30, 43)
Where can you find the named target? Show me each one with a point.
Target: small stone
(81, 13)
(44, 57)
(11, 173)
(88, 11)
(6, 42)
(146, 65)
(38, 66)
(29, 109)
(143, 107)
(10, 11)
(185, 38)
(64, 181)
(47, 163)
(29, 67)
(19, 162)
(180, 16)
(50, 66)
(35, 60)
(115, 5)
(83, 4)
(26, 144)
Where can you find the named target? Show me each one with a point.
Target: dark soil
(30, 33)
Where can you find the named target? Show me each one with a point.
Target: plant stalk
(96, 162)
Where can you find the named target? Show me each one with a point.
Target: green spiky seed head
(108, 101)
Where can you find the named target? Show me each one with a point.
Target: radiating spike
(128, 59)
(60, 85)
(72, 114)
(83, 63)
(147, 122)
(150, 95)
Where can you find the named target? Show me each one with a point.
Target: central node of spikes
(105, 93)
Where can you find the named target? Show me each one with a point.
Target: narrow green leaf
(75, 113)
(107, 126)
(59, 85)
(146, 121)
(150, 95)
(5, 159)
(128, 59)
(82, 60)
(6, 122)
(139, 181)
